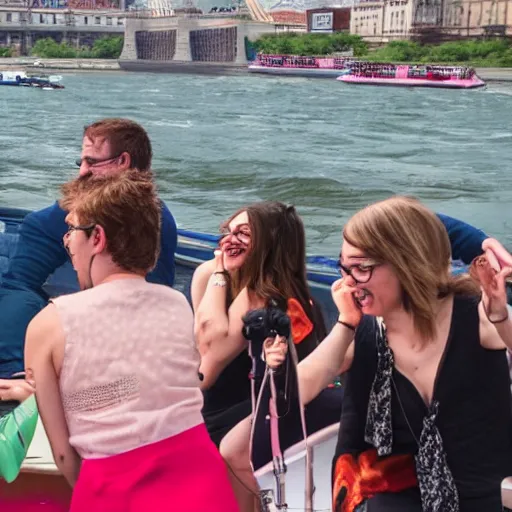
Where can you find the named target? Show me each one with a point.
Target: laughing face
(236, 242)
(378, 287)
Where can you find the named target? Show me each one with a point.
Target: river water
(327, 147)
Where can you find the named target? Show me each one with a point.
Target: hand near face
(343, 291)
(492, 283)
(275, 350)
(219, 260)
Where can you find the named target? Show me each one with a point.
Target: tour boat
(446, 77)
(296, 65)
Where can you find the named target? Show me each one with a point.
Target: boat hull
(302, 72)
(414, 82)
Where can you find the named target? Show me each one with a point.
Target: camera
(268, 322)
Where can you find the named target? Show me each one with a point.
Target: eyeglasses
(360, 273)
(242, 235)
(95, 162)
(86, 229)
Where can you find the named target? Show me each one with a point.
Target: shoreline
(49, 66)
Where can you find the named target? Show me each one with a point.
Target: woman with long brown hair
(261, 257)
(261, 261)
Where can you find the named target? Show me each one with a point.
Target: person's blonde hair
(409, 237)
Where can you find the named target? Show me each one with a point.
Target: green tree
(108, 47)
(49, 49)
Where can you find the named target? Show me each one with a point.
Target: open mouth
(362, 296)
(234, 251)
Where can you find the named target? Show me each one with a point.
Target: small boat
(446, 77)
(12, 77)
(21, 79)
(40, 482)
(297, 65)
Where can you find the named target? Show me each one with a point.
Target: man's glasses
(361, 273)
(95, 162)
(242, 235)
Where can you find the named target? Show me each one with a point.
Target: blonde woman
(426, 421)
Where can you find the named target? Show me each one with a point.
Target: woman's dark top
(228, 401)
(474, 413)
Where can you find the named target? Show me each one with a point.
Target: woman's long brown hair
(275, 268)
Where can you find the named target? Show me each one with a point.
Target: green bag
(16, 433)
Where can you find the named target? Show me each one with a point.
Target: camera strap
(278, 461)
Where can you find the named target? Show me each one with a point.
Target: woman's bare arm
(228, 343)
(332, 357)
(43, 346)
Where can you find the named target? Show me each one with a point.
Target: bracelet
(218, 281)
(501, 320)
(221, 272)
(351, 327)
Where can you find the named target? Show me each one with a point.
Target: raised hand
(219, 260)
(496, 254)
(492, 283)
(343, 291)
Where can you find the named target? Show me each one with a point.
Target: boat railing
(373, 69)
(426, 71)
(304, 61)
(287, 61)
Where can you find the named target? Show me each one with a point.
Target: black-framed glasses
(360, 273)
(95, 162)
(243, 235)
(86, 229)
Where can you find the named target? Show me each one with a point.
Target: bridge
(192, 39)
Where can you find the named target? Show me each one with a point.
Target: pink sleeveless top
(130, 371)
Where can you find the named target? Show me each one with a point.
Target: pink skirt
(184, 473)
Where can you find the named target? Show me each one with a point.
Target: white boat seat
(298, 450)
(39, 457)
(322, 445)
(506, 492)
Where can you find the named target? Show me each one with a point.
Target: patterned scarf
(437, 486)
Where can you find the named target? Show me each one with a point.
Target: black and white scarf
(436, 483)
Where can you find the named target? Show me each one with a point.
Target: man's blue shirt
(39, 252)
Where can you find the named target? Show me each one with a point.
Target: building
(397, 19)
(430, 20)
(328, 19)
(20, 28)
(367, 20)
